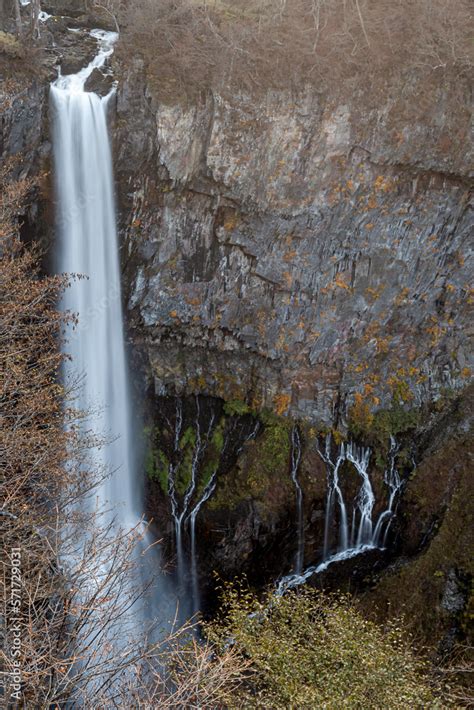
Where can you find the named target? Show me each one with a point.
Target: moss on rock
(261, 475)
(437, 538)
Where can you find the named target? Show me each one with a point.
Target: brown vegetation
(69, 581)
(250, 44)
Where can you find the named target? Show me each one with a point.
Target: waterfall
(207, 493)
(88, 247)
(334, 493)
(363, 533)
(295, 464)
(394, 483)
(193, 468)
(180, 513)
(172, 493)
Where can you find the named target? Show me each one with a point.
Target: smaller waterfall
(207, 493)
(360, 531)
(178, 514)
(295, 464)
(334, 495)
(202, 439)
(363, 533)
(394, 483)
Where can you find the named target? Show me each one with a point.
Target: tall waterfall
(295, 464)
(88, 246)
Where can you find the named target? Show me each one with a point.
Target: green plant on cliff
(307, 650)
(270, 463)
(276, 443)
(213, 456)
(262, 472)
(236, 407)
(156, 461)
(183, 475)
(376, 429)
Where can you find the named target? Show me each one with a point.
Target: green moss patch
(262, 473)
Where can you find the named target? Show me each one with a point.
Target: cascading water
(295, 464)
(360, 531)
(180, 513)
(201, 439)
(394, 483)
(361, 534)
(207, 493)
(88, 247)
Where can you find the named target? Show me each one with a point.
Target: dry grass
(193, 45)
(10, 46)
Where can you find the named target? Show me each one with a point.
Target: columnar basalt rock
(302, 251)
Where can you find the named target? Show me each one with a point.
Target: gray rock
(70, 8)
(319, 245)
(99, 83)
(453, 600)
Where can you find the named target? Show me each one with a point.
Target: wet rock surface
(99, 83)
(352, 575)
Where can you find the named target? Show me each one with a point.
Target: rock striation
(299, 251)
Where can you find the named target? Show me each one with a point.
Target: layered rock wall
(299, 251)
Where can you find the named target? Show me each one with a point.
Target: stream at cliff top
(88, 245)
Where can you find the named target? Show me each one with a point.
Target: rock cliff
(306, 253)
(291, 257)
(299, 250)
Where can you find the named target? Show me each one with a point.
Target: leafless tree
(35, 9)
(72, 581)
(249, 44)
(19, 26)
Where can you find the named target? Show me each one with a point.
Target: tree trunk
(35, 11)
(19, 26)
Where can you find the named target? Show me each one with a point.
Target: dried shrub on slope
(193, 45)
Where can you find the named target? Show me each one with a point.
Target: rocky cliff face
(308, 254)
(292, 257)
(299, 251)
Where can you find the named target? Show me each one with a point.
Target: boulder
(99, 83)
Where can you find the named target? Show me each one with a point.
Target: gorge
(274, 314)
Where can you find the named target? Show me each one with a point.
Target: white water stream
(88, 246)
(295, 464)
(362, 533)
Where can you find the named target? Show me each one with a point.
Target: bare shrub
(250, 44)
(71, 580)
